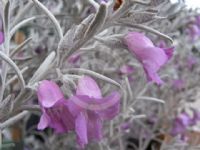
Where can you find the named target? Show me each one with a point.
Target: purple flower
(180, 124)
(151, 57)
(162, 44)
(178, 84)
(125, 126)
(90, 109)
(196, 117)
(193, 31)
(55, 112)
(191, 61)
(127, 69)
(197, 21)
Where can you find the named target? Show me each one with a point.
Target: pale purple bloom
(125, 126)
(162, 44)
(55, 112)
(151, 57)
(90, 109)
(197, 21)
(180, 124)
(196, 117)
(178, 84)
(193, 31)
(127, 69)
(191, 61)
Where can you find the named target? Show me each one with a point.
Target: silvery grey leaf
(157, 2)
(97, 22)
(43, 69)
(6, 106)
(18, 48)
(14, 66)
(23, 96)
(6, 17)
(112, 41)
(74, 35)
(138, 17)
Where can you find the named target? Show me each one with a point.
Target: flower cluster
(183, 122)
(83, 113)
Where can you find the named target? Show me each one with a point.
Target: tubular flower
(191, 61)
(90, 109)
(193, 31)
(152, 58)
(178, 84)
(180, 124)
(55, 112)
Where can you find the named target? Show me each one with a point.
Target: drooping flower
(191, 61)
(178, 84)
(193, 31)
(196, 117)
(55, 112)
(161, 44)
(197, 20)
(180, 124)
(151, 57)
(125, 126)
(90, 110)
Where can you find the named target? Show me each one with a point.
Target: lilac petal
(1, 37)
(153, 59)
(198, 20)
(127, 69)
(94, 126)
(177, 128)
(67, 119)
(169, 52)
(191, 61)
(178, 84)
(111, 105)
(184, 119)
(88, 86)
(44, 122)
(61, 118)
(151, 72)
(81, 130)
(195, 118)
(125, 126)
(162, 44)
(153, 55)
(194, 32)
(136, 41)
(49, 93)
